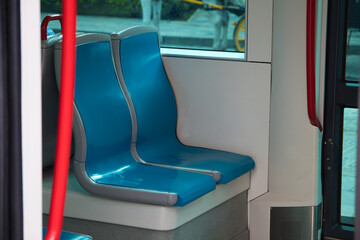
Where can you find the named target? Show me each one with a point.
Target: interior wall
(294, 157)
(224, 105)
(293, 140)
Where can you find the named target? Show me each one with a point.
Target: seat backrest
(148, 86)
(103, 161)
(50, 98)
(102, 118)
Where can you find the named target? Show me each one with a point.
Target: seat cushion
(188, 186)
(69, 236)
(174, 153)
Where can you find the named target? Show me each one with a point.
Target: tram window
(348, 170)
(350, 117)
(340, 122)
(353, 42)
(184, 24)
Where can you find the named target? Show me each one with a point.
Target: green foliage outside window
(172, 10)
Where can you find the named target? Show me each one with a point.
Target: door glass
(348, 176)
(353, 42)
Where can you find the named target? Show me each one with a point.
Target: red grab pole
(310, 64)
(64, 121)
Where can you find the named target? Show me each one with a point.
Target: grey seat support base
(228, 221)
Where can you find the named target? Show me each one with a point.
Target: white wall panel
(294, 163)
(31, 118)
(225, 105)
(293, 140)
(260, 21)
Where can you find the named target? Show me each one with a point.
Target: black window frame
(339, 94)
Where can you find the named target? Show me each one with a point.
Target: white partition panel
(294, 154)
(31, 118)
(224, 105)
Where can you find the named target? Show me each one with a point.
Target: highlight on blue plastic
(156, 113)
(69, 236)
(49, 32)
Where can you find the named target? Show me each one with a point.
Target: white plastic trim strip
(31, 118)
(177, 52)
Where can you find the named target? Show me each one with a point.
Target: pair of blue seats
(125, 118)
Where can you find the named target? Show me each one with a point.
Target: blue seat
(150, 94)
(69, 236)
(103, 161)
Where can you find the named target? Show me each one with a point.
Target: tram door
(341, 118)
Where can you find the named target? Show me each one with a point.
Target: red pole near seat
(64, 121)
(310, 64)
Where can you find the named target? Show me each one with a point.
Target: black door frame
(11, 201)
(338, 94)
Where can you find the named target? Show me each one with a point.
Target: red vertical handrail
(64, 121)
(45, 23)
(310, 64)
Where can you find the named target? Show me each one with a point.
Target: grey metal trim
(246, 29)
(115, 49)
(57, 66)
(122, 193)
(50, 100)
(133, 31)
(298, 223)
(82, 38)
(79, 137)
(51, 41)
(214, 174)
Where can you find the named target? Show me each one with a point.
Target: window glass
(185, 24)
(353, 42)
(348, 176)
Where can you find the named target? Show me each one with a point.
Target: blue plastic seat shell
(156, 113)
(69, 236)
(107, 125)
(230, 165)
